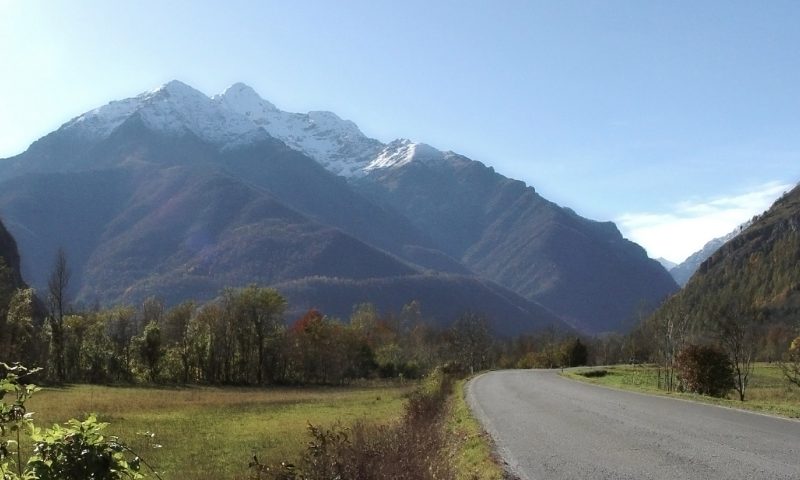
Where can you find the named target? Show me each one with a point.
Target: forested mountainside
(9, 261)
(505, 231)
(684, 270)
(756, 273)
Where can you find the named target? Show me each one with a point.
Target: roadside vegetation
(769, 391)
(408, 430)
(469, 447)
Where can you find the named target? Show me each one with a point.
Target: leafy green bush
(77, 450)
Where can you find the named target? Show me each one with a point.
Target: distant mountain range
(757, 269)
(683, 272)
(669, 265)
(176, 194)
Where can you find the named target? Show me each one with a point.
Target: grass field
(211, 433)
(768, 391)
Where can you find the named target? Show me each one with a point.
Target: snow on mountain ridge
(335, 143)
(401, 152)
(173, 108)
(239, 115)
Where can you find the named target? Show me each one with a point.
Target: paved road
(549, 427)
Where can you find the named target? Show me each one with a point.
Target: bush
(705, 369)
(593, 373)
(75, 451)
(790, 366)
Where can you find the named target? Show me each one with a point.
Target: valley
(192, 254)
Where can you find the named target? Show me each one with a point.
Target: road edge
(509, 464)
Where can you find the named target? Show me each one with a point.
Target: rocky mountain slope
(177, 194)
(503, 230)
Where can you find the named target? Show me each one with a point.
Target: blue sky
(678, 120)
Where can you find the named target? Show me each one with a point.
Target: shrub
(75, 451)
(705, 369)
(790, 366)
(594, 373)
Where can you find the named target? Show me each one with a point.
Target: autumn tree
(153, 310)
(734, 325)
(704, 369)
(790, 366)
(178, 334)
(57, 288)
(668, 330)
(121, 328)
(471, 341)
(260, 310)
(576, 353)
(149, 350)
(16, 328)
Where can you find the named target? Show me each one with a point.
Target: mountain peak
(175, 87)
(336, 144)
(176, 92)
(242, 98)
(174, 108)
(401, 152)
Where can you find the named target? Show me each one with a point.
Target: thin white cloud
(684, 229)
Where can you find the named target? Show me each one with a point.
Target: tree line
(241, 338)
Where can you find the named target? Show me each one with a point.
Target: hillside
(10, 281)
(10, 276)
(503, 230)
(757, 268)
(443, 299)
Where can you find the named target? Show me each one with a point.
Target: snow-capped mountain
(403, 151)
(173, 108)
(239, 116)
(336, 144)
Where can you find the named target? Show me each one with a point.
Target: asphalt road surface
(549, 427)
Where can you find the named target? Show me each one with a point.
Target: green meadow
(212, 433)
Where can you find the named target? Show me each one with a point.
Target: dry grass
(414, 448)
